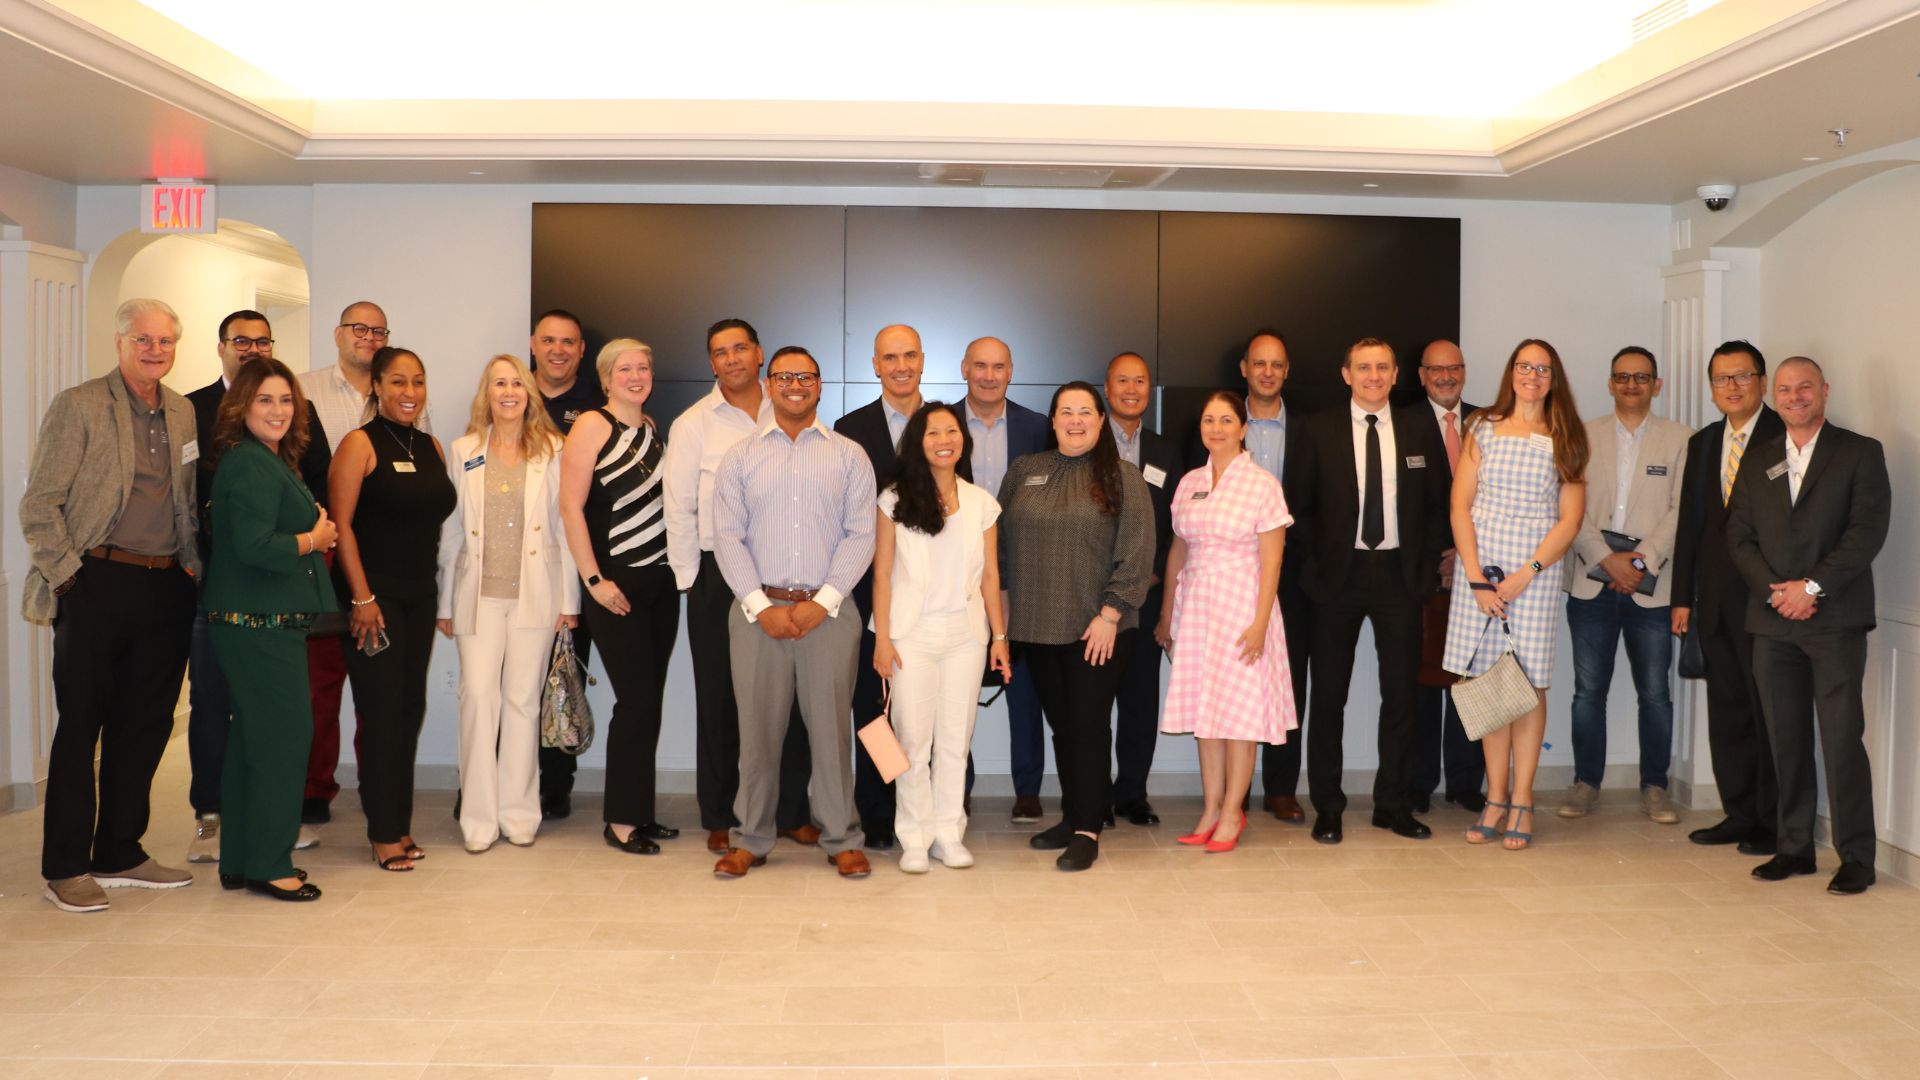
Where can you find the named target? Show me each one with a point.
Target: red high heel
(1195, 839)
(1215, 847)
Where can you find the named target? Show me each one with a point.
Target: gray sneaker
(148, 875)
(77, 894)
(1655, 803)
(205, 846)
(1581, 798)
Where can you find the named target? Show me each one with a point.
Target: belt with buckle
(151, 562)
(791, 596)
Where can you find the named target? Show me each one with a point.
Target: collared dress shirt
(696, 442)
(989, 448)
(1389, 476)
(794, 513)
(1626, 450)
(1798, 458)
(1267, 442)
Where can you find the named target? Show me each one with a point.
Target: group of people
(285, 534)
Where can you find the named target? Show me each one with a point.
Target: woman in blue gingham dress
(1516, 503)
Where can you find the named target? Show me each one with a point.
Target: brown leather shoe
(1286, 808)
(719, 840)
(805, 834)
(851, 864)
(737, 862)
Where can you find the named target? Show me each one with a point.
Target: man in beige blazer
(108, 515)
(1618, 583)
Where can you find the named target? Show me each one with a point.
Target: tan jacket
(1653, 504)
(81, 476)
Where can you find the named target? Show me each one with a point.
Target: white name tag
(190, 453)
(1036, 481)
(1155, 475)
(403, 466)
(1416, 461)
(473, 463)
(1540, 442)
(1777, 471)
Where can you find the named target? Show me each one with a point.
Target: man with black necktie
(1710, 601)
(1809, 513)
(1369, 502)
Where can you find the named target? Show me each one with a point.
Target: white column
(42, 317)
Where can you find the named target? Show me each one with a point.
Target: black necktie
(1373, 516)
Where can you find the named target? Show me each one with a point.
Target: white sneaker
(952, 854)
(914, 860)
(309, 838)
(205, 845)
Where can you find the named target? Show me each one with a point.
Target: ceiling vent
(1658, 18)
(1043, 176)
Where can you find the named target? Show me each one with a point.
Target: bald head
(897, 361)
(987, 368)
(1129, 388)
(1443, 371)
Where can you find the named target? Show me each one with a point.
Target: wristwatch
(592, 581)
(1537, 568)
(1814, 589)
(999, 637)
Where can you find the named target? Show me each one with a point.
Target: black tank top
(403, 503)
(624, 505)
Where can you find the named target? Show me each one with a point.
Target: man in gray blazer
(108, 515)
(1618, 583)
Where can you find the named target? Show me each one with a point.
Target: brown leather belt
(151, 562)
(791, 596)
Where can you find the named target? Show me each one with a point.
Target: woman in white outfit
(507, 585)
(936, 602)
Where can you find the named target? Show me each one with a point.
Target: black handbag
(1693, 655)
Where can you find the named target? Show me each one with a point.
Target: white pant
(936, 696)
(501, 671)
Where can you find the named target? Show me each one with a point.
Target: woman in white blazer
(936, 597)
(507, 585)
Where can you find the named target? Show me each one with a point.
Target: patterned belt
(791, 596)
(151, 562)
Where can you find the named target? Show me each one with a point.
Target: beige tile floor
(1613, 949)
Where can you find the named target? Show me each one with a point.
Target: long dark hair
(1105, 452)
(919, 506)
(230, 423)
(1564, 427)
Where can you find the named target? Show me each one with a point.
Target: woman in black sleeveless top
(610, 501)
(392, 478)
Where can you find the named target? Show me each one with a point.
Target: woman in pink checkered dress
(1230, 686)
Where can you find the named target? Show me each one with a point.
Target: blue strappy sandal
(1525, 838)
(1484, 834)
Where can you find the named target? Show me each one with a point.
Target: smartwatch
(1537, 568)
(592, 581)
(1813, 588)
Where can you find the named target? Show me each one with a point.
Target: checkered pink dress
(1212, 694)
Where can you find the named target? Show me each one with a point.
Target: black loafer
(880, 842)
(1472, 802)
(1052, 838)
(556, 806)
(653, 830)
(636, 843)
(1326, 829)
(1080, 854)
(301, 894)
(1714, 835)
(1782, 867)
(1401, 823)
(1851, 880)
(1759, 845)
(235, 882)
(1138, 813)
(1422, 804)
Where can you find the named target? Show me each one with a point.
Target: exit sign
(178, 206)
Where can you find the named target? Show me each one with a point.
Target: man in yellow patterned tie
(1709, 596)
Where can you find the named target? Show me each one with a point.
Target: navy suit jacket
(867, 425)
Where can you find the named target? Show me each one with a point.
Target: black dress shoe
(1724, 833)
(1852, 879)
(1402, 823)
(1422, 804)
(880, 841)
(1080, 854)
(1108, 821)
(1472, 802)
(636, 842)
(555, 806)
(653, 830)
(1759, 844)
(301, 893)
(315, 812)
(1782, 867)
(232, 882)
(1326, 828)
(1052, 838)
(1137, 813)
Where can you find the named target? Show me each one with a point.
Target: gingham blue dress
(1516, 502)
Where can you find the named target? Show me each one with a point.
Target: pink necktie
(1453, 443)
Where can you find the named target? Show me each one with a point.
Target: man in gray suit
(1618, 583)
(108, 515)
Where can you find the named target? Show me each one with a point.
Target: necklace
(408, 445)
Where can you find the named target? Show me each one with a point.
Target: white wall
(450, 265)
(42, 208)
(206, 281)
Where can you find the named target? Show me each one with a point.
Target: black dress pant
(1810, 683)
(1737, 733)
(120, 643)
(635, 648)
(710, 603)
(390, 701)
(1136, 726)
(557, 767)
(1077, 699)
(1439, 737)
(1280, 765)
(1374, 590)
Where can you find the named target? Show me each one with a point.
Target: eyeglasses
(1444, 369)
(1525, 368)
(793, 378)
(361, 330)
(1638, 378)
(142, 341)
(1733, 378)
(244, 343)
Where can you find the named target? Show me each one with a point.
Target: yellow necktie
(1733, 467)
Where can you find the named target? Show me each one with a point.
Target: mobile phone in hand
(379, 643)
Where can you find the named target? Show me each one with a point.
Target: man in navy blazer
(876, 426)
(1002, 430)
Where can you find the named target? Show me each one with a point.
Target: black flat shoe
(556, 806)
(1715, 835)
(1137, 813)
(235, 882)
(1080, 854)
(1326, 829)
(1472, 802)
(302, 894)
(1401, 823)
(653, 830)
(1852, 880)
(635, 844)
(1052, 838)
(1782, 867)
(880, 841)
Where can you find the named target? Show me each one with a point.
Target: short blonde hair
(538, 436)
(603, 364)
(124, 315)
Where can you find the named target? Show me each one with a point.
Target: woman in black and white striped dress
(610, 500)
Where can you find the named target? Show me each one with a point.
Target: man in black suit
(1137, 729)
(1369, 502)
(1808, 514)
(876, 426)
(1003, 430)
(1437, 733)
(1709, 597)
(244, 335)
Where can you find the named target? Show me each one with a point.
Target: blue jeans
(210, 712)
(1598, 625)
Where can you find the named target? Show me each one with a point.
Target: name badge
(403, 466)
(1155, 475)
(190, 453)
(1540, 442)
(473, 463)
(1036, 481)
(1416, 461)
(1198, 495)
(1777, 471)
(1656, 470)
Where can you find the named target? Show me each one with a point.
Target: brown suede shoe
(719, 840)
(1286, 808)
(805, 834)
(737, 862)
(851, 864)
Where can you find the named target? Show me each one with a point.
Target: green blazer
(259, 509)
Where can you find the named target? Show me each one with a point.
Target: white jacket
(913, 561)
(549, 583)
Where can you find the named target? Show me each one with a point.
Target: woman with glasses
(1518, 496)
(613, 506)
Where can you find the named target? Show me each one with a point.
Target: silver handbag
(1502, 694)
(566, 720)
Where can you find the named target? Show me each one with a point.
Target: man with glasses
(1710, 601)
(108, 516)
(1617, 575)
(244, 335)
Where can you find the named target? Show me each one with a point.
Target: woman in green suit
(266, 581)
